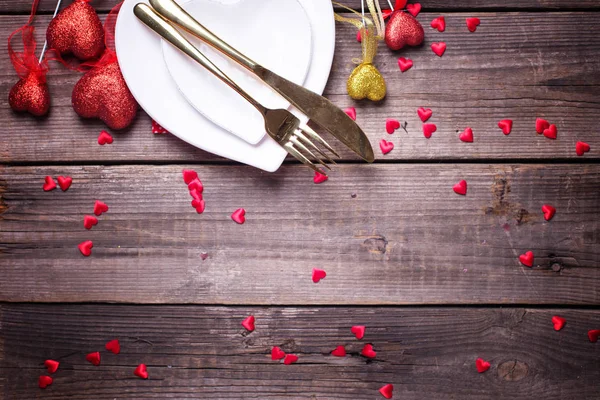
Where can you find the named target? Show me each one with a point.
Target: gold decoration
(366, 82)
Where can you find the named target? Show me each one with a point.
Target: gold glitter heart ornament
(366, 82)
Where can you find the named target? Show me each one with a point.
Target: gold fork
(280, 124)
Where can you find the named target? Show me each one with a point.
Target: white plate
(274, 33)
(146, 74)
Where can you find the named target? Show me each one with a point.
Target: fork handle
(174, 13)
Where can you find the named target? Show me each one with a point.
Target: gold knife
(319, 109)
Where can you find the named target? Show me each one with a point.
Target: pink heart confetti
(387, 391)
(239, 216)
(113, 346)
(460, 188)
(548, 211)
(64, 182)
(439, 48)
(439, 23)
(386, 146)
(527, 259)
(358, 331)
(351, 112)
(424, 113)
(319, 177)
(391, 125)
(51, 366)
(466, 136)
(290, 359)
(104, 138)
(581, 148)
(506, 126)
(141, 371)
(318, 274)
(277, 353)
(89, 221)
(86, 248)
(405, 64)
(414, 9)
(49, 184)
(558, 322)
(248, 323)
(473, 23)
(482, 365)
(428, 130)
(100, 207)
(339, 351)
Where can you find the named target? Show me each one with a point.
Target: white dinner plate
(249, 26)
(142, 63)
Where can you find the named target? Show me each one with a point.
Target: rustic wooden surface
(434, 276)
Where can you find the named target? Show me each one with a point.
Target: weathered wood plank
(201, 352)
(517, 65)
(405, 238)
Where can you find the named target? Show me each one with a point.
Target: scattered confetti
(319, 177)
(439, 48)
(49, 184)
(199, 205)
(541, 125)
(104, 138)
(551, 132)
(248, 323)
(527, 259)
(387, 391)
(391, 125)
(113, 346)
(593, 335)
(386, 146)
(64, 182)
(100, 207)
(197, 185)
(204, 255)
(548, 211)
(466, 136)
(581, 148)
(339, 351)
(558, 322)
(239, 216)
(277, 353)
(358, 331)
(318, 274)
(439, 23)
(51, 366)
(189, 175)
(506, 126)
(460, 188)
(290, 359)
(351, 112)
(141, 371)
(428, 130)
(473, 23)
(45, 381)
(368, 351)
(89, 221)
(405, 64)
(86, 247)
(424, 113)
(414, 9)
(93, 358)
(482, 365)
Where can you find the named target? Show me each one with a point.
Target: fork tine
(300, 157)
(306, 141)
(314, 135)
(294, 139)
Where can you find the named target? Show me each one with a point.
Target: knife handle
(174, 13)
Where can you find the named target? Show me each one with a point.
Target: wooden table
(434, 276)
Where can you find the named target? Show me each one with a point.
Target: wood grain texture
(203, 352)
(517, 65)
(405, 238)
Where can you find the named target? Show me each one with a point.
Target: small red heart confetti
(428, 130)
(100, 207)
(339, 351)
(64, 182)
(386, 146)
(391, 125)
(506, 126)
(558, 322)
(189, 175)
(104, 138)
(460, 188)
(358, 331)
(141, 371)
(319, 177)
(290, 359)
(248, 323)
(473, 23)
(239, 216)
(387, 391)
(89, 221)
(277, 353)
(551, 132)
(49, 184)
(548, 211)
(45, 381)
(593, 335)
(113, 346)
(200, 206)
(51, 365)
(368, 351)
(581, 148)
(541, 125)
(351, 112)
(466, 136)
(157, 129)
(318, 274)
(86, 247)
(414, 9)
(439, 48)
(527, 259)
(93, 358)
(424, 113)
(405, 64)
(439, 23)
(196, 185)
(482, 365)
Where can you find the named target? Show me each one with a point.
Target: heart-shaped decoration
(358, 331)
(351, 112)
(49, 184)
(428, 130)
(200, 206)
(93, 358)
(318, 274)
(102, 93)
(64, 182)
(113, 346)
(157, 129)
(439, 23)
(239, 216)
(319, 177)
(473, 23)
(366, 82)
(593, 335)
(51, 366)
(581, 148)
(45, 381)
(506, 126)
(339, 351)
(189, 175)
(558, 322)
(277, 353)
(100, 207)
(439, 48)
(403, 30)
(30, 94)
(527, 259)
(86, 247)
(466, 136)
(77, 29)
(368, 351)
(551, 132)
(248, 323)
(460, 188)
(424, 113)
(391, 125)
(104, 138)
(387, 391)
(414, 9)
(405, 64)
(89, 221)
(548, 211)
(141, 371)
(386, 146)
(290, 359)
(482, 365)
(196, 185)
(541, 125)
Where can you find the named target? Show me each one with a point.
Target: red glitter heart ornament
(290, 359)
(428, 130)
(51, 366)
(541, 125)
(248, 323)
(45, 381)
(277, 353)
(551, 132)
(424, 113)
(113, 346)
(414, 9)
(473, 23)
(548, 211)
(93, 358)
(391, 125)
(351, 112)
(558, 322)
(482, 365)
(141, 371)
(387, 391)
(30, 94)
(581, 148)
(439, 23)
(386, 146)
(318, 274)
(439, 48)
(89, 221)
(466, 136)
(49, 184)
(405, 64)
(64, 182)
(157, 129)
(403, 30)
(104, 138)
(527, 259)
(100, 207)
(593, 335)
(239, 216)
(339, 351)
(460, 188)
(319, 177)
(506, 126)
(358, 331)
(86, 247)
(368, 351)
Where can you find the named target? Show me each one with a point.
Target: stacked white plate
(294, 38)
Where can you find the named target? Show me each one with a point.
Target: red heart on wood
(141, 371)
(403, 30)
(89, 221)
(558, 322)
(93, 358)
(506, 126)
(581, 148)
(593, 335)
(358, 331)
(439, 23)
(387, 391)
(391, 125)
(351, 112)
(277, 353)
(339, 351)
(199, 205)
(473, 23)
(482, 365)
(100, 207)
(439, 48)
(424, 113)
(460, 188)
(548, 211)
(541, 125)
(86, 247)
(551, 132)
(405, 64)
(290, 359)
(51, 366)
(527, 259)
(319, 177)
(368, 351)
(386, 146)
(196, 185)
(428, 130)
(466, 136)
(64, 182)
(45, 381)
(318, 274)
(239, 216)
(49, 184)
(30, 94)
(414, 9)
(104, 138)
(113, 346)
(189, 175)
(248, 323)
